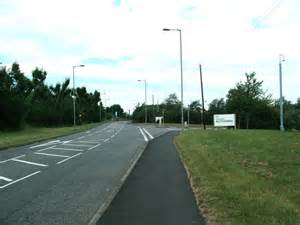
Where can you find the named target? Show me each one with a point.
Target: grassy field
(31, 134)
(244, 177)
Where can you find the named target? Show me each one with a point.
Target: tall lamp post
(180, 42)
(74, 95)
(145, 98)
(281, 59)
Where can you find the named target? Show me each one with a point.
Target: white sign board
(224, 120)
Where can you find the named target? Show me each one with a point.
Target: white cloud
(217, 33)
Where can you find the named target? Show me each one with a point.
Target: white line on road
(81, 137)
(44, 149)
(23, 178)
(79, 145)
(94, 147)
(6, 179)
(48, 143)
(148, 133)
(91, 141)
(68, 149)
(54, 155)
(106, 140)
(145, 137)
(12, 158)
(28, 162)
(62, 161)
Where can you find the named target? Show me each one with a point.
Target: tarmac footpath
(157, 192)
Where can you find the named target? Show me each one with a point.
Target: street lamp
(281, 59)
(74, 96)
(180, 42)
(145, 98)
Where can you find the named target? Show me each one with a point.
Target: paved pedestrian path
(157, 192)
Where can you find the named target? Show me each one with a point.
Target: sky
(121, 41)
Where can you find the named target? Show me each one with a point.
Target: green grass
(32, 134)
(244, 177)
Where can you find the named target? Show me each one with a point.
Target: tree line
(254, 108)
(31, 101)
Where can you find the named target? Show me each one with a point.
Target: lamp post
(74, 95)
(145, 98)
(281, 59)
(180, 43)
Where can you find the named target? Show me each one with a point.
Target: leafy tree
(246, 99)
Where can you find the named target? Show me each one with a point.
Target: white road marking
(44, 149)
(54, 155)
(23, 178)
(145, 137)
(62, 161)
(148, 133)
(91, 141)
(81, 137)
(106, 140)
(28, 162)
(79, 145)
(6, 179)
(45, 144)
(94, 147)
(12, 158)
(68, 149)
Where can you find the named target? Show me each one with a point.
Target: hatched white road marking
(91, 141)
(23, 178)
(62, 161)
(68, 149)
(145, 137)
(12, 158)
(28, 162)
(94, 147)
(148, 133)
(44, 149)
(54, 155)
(45, 144)
(6, 179)
(79, 145)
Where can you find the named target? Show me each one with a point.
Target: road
(72, 179)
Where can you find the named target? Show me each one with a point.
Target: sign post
(224, 120)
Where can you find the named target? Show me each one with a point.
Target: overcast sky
(121, 41)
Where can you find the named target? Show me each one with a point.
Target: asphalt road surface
(157, 192)
(72, 179)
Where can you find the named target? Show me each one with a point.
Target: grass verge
(244, 177)
(32, 134)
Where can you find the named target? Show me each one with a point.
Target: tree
(246, 100)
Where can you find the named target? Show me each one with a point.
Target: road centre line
(145, 137)
(6, 179)
(69, 149)
(106, 140)
(28, 162)
(23, 178)
(94, 147)
(148, 133)
(62, 161)
(54, 155)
